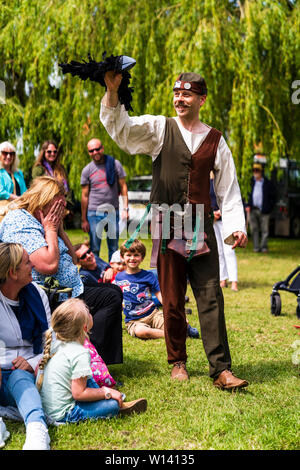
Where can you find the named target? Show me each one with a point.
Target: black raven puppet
(95, 71)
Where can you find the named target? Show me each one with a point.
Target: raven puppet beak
(125, 63)
(95, 71)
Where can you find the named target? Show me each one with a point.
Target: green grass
(195, 415)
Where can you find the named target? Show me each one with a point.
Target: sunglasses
(96, 149)
(51, 151)
(82, 257)
(8, 153)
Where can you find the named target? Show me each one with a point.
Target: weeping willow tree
(248, 52)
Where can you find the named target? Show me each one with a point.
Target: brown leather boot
(179, 371)
(226, 381)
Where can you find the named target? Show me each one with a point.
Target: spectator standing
(261, 201)
(102, 180)
(48, 163)
(12, 183)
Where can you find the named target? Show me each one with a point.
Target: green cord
(138, 228)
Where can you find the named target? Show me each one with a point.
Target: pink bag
(98, 366)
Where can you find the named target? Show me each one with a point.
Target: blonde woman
(68, 391)
(36, 223)
(24, 317)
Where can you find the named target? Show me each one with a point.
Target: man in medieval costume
(184, 150)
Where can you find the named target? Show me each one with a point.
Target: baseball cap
(116, 257)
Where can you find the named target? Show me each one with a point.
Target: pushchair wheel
(275, 304)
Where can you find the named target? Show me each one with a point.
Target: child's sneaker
(4, 434)
(192, 332)
(37, 437)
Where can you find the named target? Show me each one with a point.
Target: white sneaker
(37, 437)
(4, 434)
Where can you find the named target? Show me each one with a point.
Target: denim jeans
(18, 389)
(108, 221)
(92, 409)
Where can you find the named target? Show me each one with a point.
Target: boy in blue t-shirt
(142, 318)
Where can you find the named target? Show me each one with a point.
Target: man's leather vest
(180, 177)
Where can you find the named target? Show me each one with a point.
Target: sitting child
(68, 391)
(117, 264)
(142, 317)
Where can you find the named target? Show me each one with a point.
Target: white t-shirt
(70, 361)
(12, 344)
(100, 192)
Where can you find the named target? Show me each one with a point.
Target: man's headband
(191, 82)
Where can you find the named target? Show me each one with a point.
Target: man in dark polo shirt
(184, 150)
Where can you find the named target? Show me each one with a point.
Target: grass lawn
(195, 415)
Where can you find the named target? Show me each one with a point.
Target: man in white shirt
(184, 151)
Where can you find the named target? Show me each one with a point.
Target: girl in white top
(68, 391)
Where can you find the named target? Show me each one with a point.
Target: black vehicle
(285, 217)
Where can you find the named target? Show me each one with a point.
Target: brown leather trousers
(203, 275)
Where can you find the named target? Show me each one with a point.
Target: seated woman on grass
(36, 222)
(24, 317)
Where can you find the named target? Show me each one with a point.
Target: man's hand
(108, 275)
(241, 240)
(125, 214)
(85, 226)
(217, 215)
(112, 80)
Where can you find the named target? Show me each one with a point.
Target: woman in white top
(24, 317)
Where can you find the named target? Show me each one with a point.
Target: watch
(107, 395)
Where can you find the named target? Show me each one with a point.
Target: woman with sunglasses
(12, 183)
(48, 163)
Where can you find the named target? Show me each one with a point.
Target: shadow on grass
(264, 372)
(255, 284)
(134, 367)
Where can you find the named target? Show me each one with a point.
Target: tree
(248, 51)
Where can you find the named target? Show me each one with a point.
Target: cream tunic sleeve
(135, 135)
(228, 193)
